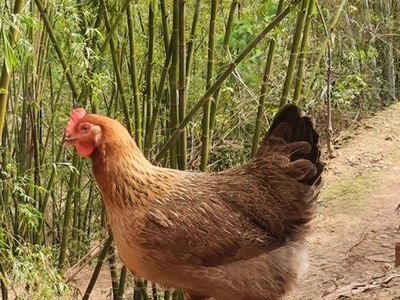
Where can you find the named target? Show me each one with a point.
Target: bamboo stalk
(39, 148)
(275, 22)
(57, 48)
(205, 125)
(134, 79)
(5, 195)
(88, 211)
(140, 290)
(329, 129)
(178, 295)
(43, 54)
(74, 255)
(160, 93)
(182, 84)
(87, 89)
(190, 44)
(294, 52)
(173, 84)
(122, 283)
(225, 47)
(316, 62)
(3, 283)
(113, 272)
(111, 28)
(37, 238)
(165, 17)
(261, 104)
(154, 291)
(67, 214)
(148, 110)
(303, 52)
(23, 137)
(167, 295)
(7, 70)
(117, 71)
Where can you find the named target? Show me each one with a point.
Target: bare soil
(351, 248)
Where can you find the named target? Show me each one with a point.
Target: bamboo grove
(195, 82)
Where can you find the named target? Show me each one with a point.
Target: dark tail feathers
(294, 133)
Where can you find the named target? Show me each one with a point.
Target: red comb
(76, 115)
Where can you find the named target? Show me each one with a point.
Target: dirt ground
(351, 249)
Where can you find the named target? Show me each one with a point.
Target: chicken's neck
(122, 173)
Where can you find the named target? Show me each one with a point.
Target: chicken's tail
(293, 133)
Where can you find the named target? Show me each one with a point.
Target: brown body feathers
(237, 234)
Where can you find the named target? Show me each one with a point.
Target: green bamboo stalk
(57, 48)
(149, 69)
(88, 210)
(324, 44)
(167, 295)
(122, 283)
(154, 291)
(50, 185)
(117, 70)
(229, 24)
(263, 93)
(160, 93)
(111, 28)
(113, 272)
(5, 197)
(165, 27)
(92, 43)
(42, 46)
(205, 136)
(225, 48)
(36, 125)
(74, 255)
(134, 79)
(172, 82)
(294, 52)
(67, 214)
(275, 22)
(329, 130)
(22, 137)
(5, 72)
(37, 121)
(97, 269)
(178, 295)
(190, 44)
(303, 51)
(3, 282)
(140, 290)
(182, 84)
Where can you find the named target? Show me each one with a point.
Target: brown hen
(237, 234)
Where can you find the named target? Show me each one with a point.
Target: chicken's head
(84, 135)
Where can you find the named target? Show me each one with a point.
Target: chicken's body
(237, 234)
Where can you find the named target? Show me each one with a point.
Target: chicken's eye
(84, 128)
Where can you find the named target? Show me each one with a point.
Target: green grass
(348, 194)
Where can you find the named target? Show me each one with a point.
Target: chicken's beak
(68, 141)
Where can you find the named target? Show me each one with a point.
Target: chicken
(237, 234)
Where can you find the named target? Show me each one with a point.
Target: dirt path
(352, 245)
